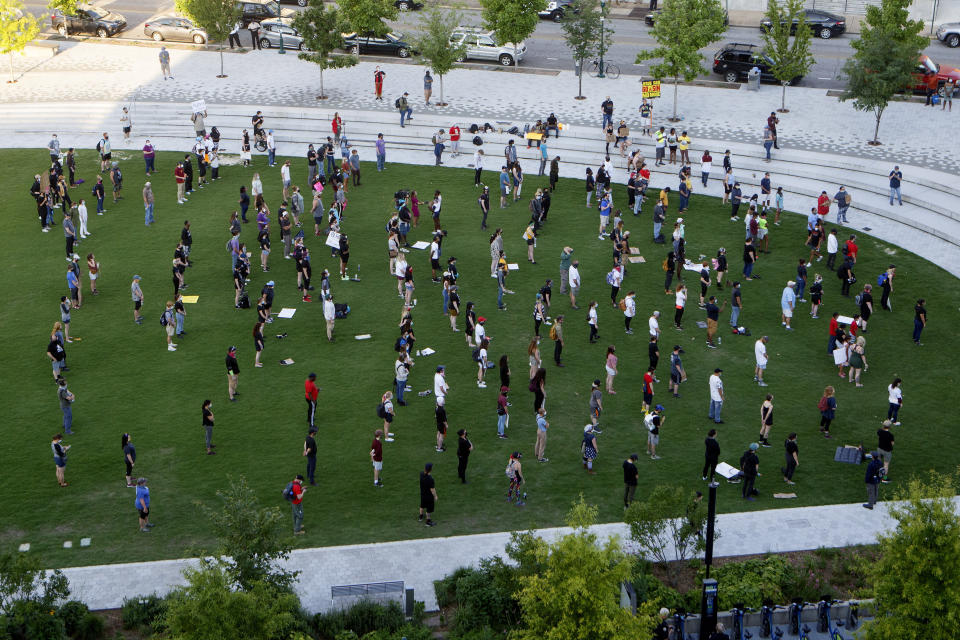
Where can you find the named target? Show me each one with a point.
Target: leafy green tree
(791, 58)
(17, 29)
(68, 7)
(210, 607)
(582, 26)
(249, 545)
(511, 20)
(681, 30)
(915, 579)
(670, 517)
(368, 16)
(885, 56)
(320, 28)
(216, 17)
(576, 594)
(434, 46)
(23, 579)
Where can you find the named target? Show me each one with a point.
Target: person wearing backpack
(293, 493)
(386, 413)
(169, 323)
(828, 408)
(404, 108)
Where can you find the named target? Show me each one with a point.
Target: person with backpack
(828, 410)
(293, 493)
(168, 322)
(403, 107)
(514, 472)
(842, 198)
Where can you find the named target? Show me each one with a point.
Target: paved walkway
(912, 134)
(419, 562)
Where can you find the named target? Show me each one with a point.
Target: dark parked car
(735, 60)
(823, 24)
(390, 44)
(408, 5)
(555, 10)
(174, 28)
(88, 19)
(261, 10)
(652, 16)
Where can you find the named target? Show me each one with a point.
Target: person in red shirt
(181, 177)
(455, 140)
(378, 75)
(647, 390)
(311, 392)
(297, 490)
(336, 124)
(823, 204)
(376, 457)
(852, 248)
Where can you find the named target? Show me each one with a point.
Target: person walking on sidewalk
(403, 106)
(378, 75)
(427, 86)
(842, 198)
(772, 122)
(164, 64)
(606, 108)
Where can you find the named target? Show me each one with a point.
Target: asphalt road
(546, 48)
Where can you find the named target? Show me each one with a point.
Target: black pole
(711, 516)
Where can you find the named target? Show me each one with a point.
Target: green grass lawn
(125, 380)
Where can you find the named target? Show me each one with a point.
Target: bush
(446, 589)
(90, 628)
(649, 589)
(143, 613)
(752, 581)
(361, 618)
(478, 634)
(71, 613)
(408, 631)
(30, 620)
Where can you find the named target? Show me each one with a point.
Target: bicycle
(796, 610)
(260, 141)
(739, 633)
(679, 624)
(610, 70)
(766, 618)
(823, 621)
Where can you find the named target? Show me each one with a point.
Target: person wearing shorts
(376, 457)
(596, 403)
(428, 495)
(137, 295)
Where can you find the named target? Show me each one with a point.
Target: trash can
(753, 79)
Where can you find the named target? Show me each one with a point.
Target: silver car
(949, 34)
(481, 45)
(271, 32)
(174, 28)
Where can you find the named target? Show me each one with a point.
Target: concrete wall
(750, 12)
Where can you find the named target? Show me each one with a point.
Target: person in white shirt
(477, 166)
(271, 148)
(593, 321)
(285, 177)
(680, 302)
(256, 187)
(616, 279)
(440, 387)
(82, 214)
(573, 279)
(401, 371)
(716, 396)
(434, 258)
(895, 398)
(329, 314)
(399, 270)
(760, 351)
(479, 331)
(482, 362)
(654, 324)
(833, 246)
(630, 311)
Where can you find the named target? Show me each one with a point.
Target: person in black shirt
(845, 274)
(545, 203)
(186, 240)
(208, 426)
(484, 202)
(428, 495)
(750, 468)
(885, 448)
(311, 165)
(749, 258)
(188, 171)
(464, 447)
(310, 452)
(713, 316)
(630, 475)
(662, 630)
(711, 455)
(653, 352)
(344, 256)
(129, 457)
(919, 320)
(233, 373)
(736, 197)
(792, 453)
(267, 292)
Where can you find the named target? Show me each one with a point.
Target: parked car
(261, 10)
(299, 3)
(735, 60)
(481, 45)
(88, 19)
(933, 75)
(174, 28)
(949, 34)
(272, 30)
(823, 24)
(555, 10)
(390, 44)
(652, 16)
(408, 5)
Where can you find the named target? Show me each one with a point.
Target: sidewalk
(419, 562)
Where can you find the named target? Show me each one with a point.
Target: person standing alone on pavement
(378, 75)
(165, 63)
(873, 477)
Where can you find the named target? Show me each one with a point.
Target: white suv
(481, 45)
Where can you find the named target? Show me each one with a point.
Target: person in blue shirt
(543, 155)
(896, 177)
(765, 189)
(73, 284)
(788, 300)
(605, 207)
(142, 503)
(504, 186)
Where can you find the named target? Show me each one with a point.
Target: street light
(280, 18)
(603, 6)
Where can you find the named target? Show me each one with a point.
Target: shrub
(143, 613)
(446, 589)
(361, 618)
(90, 628)
(649, 589)
(478, 634)
(408, 631)
(752, 581)
(29, 620)
(72, 613)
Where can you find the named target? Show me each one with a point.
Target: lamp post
(280, 18)
(603, 7)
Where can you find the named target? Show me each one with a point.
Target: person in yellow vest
(665, 198)
(661, 146)
(684, 143)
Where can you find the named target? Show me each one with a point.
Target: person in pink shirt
(455, 140)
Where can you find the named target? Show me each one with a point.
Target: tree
(17, 29)
(791, 59)
(248, 537)
(681, 30)
(669, 517)
(22, 579)
(67, 7)
(576, 594)
(582, 26)
(434, 46)
(511, 20)
(320, 29)
(885, 56)
(368, 16)
(915, 581)
(216, 17)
